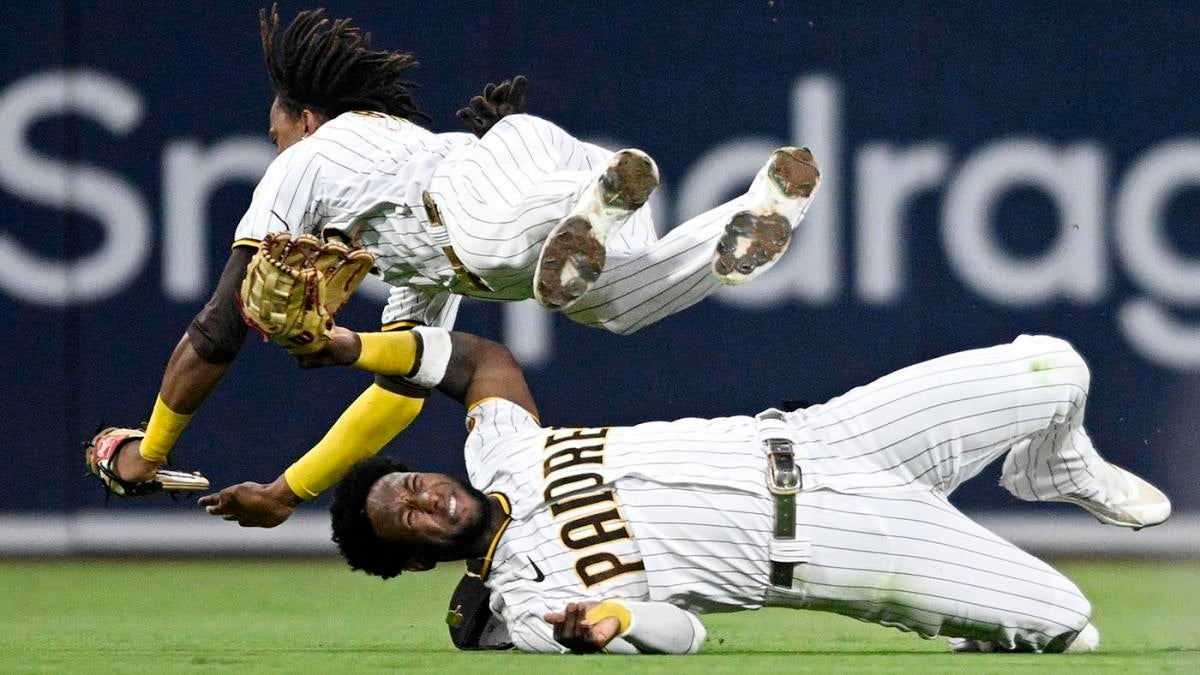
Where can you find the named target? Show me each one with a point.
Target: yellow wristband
(161, 433)
(614, 609)
(388, 353)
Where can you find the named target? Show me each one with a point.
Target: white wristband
(435, 356)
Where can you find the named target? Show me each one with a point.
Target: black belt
(784, 480)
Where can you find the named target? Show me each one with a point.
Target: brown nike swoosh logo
(539, 576)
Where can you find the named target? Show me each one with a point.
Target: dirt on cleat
(571, 260)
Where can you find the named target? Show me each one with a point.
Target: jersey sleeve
(285, 199)
(407, 307)
(654, 628)
(529, 632)
(498, 417)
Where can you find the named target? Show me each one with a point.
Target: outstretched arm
(202, 357)
(372, 420)
(465, 367)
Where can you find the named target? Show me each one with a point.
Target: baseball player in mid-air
(617, 538)
(518, 209)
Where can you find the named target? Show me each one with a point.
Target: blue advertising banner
(989, 170)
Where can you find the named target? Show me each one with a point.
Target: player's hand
(131, 466)
(253, 504)
(572, 630)
(497, 102)
(343, 349)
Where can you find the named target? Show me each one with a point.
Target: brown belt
(466, 276)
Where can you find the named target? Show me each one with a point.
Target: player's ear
(311, 120)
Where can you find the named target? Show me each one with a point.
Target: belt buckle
(783, 473)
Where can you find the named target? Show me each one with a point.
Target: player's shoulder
(495, 411)
(370, 122)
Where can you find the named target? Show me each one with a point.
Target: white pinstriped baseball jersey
(667, 511)
(363, 174)
(679, 512)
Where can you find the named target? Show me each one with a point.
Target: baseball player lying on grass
(517, 209)
(616, 538)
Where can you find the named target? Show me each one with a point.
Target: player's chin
(465, 509)
(466, 514)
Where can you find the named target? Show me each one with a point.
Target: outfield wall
(990, 169)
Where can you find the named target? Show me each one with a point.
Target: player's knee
(1072, 627)
(1074, 610)
(1056, 361)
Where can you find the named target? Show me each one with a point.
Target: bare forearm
(197, 364)
(186, 383)
(189, 378)
(480, 369)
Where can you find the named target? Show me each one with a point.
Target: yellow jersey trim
(246, 242)
(399, 325)
(487, 557)
(485, 399)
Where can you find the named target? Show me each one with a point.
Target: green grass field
(314, 616)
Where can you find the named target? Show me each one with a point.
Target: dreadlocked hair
(352, 530)
(329, 67)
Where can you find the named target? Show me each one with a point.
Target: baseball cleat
(1121, 498)
(756, 238)
(750, 245)
(574, 253)
(1088, 640)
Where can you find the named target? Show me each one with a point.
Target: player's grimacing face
(424, 509)
(285, 128)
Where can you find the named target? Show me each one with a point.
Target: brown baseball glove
(293, 288)
(100, 453)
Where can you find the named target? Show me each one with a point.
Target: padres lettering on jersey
(588, 511)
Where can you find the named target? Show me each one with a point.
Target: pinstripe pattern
(697, 510)
(879, 463)
(500, 197)
(877, 538)
(406, 303)
(939, 423)
(363, 175)
(918, 564)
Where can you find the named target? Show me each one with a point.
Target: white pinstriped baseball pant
(500, 197)
(880, 463)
